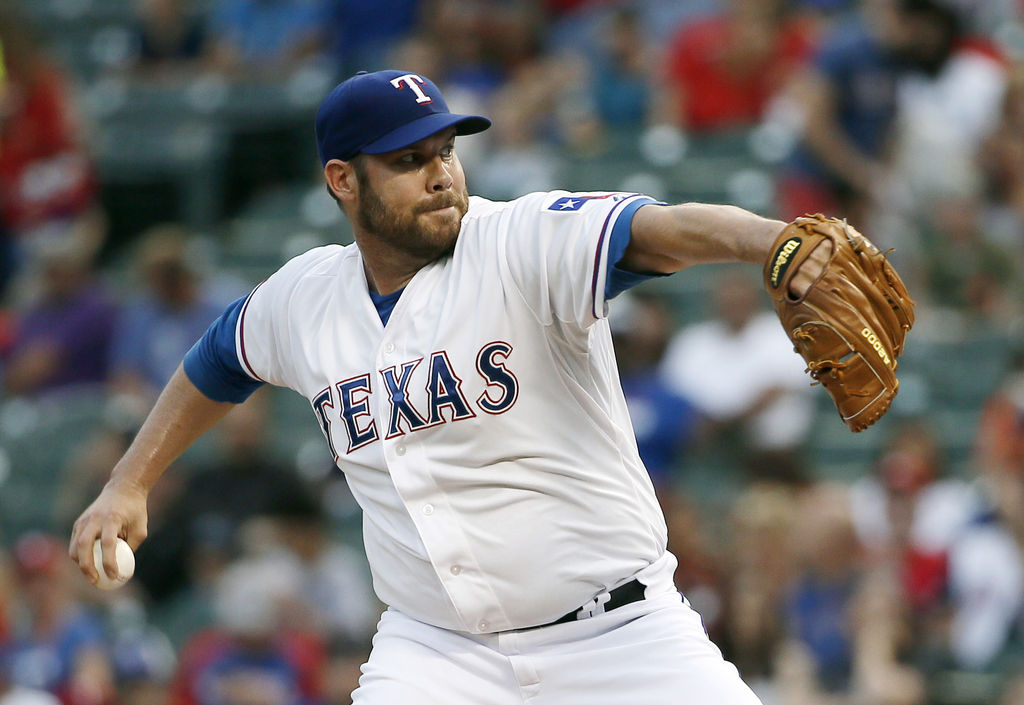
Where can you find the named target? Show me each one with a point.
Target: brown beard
(403, 231)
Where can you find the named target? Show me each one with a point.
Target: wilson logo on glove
(782, 259)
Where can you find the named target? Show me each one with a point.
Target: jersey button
(428, 509)
(389, 348)
(456, 569)
(483, 626)
(400, 450)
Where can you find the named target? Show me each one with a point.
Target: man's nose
(441, 178)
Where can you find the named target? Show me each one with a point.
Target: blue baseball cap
(373, 113)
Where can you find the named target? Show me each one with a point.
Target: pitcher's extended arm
(181, 415)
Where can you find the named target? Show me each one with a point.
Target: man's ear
(341, 179)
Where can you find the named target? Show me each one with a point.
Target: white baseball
(125, 564)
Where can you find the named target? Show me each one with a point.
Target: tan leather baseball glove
(851, 321)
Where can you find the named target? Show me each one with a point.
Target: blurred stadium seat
(37, 438)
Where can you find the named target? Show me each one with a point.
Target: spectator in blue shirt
(60, 646)
(258, 37)
(362, 33)
(155, 330)
(849, 103)
(664, 422)
(168, 35)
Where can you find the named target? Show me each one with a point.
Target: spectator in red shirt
(47, 182)
(563, 7)
(722, 70)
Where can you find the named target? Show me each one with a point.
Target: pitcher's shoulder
(482, 207)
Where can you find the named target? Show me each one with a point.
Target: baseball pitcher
(458, 359)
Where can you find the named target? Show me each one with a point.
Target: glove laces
(835, 369)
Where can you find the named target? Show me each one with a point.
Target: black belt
(633, 591)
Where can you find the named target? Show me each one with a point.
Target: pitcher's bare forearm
(667, 239)
(180, 416)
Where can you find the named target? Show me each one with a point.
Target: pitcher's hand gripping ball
(851, 323)
(125, 565)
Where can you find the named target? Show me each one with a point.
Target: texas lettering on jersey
(349, 399)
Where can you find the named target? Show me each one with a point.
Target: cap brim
(424, 127)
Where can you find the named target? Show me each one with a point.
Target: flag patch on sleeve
(567, 203)
(575, 202)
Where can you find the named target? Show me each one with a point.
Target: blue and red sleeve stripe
(212, 364)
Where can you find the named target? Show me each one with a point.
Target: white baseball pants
(652, 652)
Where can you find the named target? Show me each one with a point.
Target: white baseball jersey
(482, 430)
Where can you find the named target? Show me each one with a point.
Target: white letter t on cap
(411, 79)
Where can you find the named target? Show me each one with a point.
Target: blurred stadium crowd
(157, 159)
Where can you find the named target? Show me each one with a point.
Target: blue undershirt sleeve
(618, 279)
(212, 364)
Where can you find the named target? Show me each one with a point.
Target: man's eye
(447, 152)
